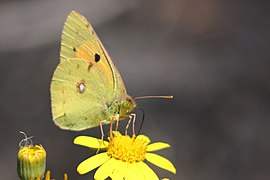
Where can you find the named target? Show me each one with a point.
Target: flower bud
(31, 162)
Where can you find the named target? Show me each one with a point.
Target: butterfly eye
(97, 57)
(81, 87)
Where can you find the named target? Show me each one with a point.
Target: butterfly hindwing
(79, 95)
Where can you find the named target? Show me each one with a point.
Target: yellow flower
(123, 158)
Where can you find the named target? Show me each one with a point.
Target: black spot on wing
(74, 49)
(97, 57)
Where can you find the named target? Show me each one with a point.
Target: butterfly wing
(80, 40)
(102, 84)
(79, 94)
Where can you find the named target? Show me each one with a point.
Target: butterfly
(86, 87)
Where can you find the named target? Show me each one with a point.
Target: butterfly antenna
(153, 97)
(142, 120)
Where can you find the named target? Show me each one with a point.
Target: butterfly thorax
(122, 107)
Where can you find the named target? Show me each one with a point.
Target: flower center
(126, 148)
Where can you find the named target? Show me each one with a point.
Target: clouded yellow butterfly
(86, 87)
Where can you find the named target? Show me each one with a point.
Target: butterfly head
(127, 105)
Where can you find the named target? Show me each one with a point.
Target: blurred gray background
(212, 55)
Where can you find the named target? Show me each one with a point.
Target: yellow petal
(160, 162)
(116, 133)
(144, 138)
(157, 146)
(120, 169)
(105, 170)
(92, 163)
(165, 179)
(48, 175)
(90, 142)
(147, 171)
(134, 172)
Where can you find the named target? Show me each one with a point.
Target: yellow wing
(86, 86)
(80, 96)
(79, 40)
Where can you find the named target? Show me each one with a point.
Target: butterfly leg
(131, 117)
(111, 127)
(114, 118)
(117, 122)
(129, 121)
(133, 124)
(101, 129)
(102, 134)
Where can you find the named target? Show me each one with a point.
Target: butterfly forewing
(80, 41)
